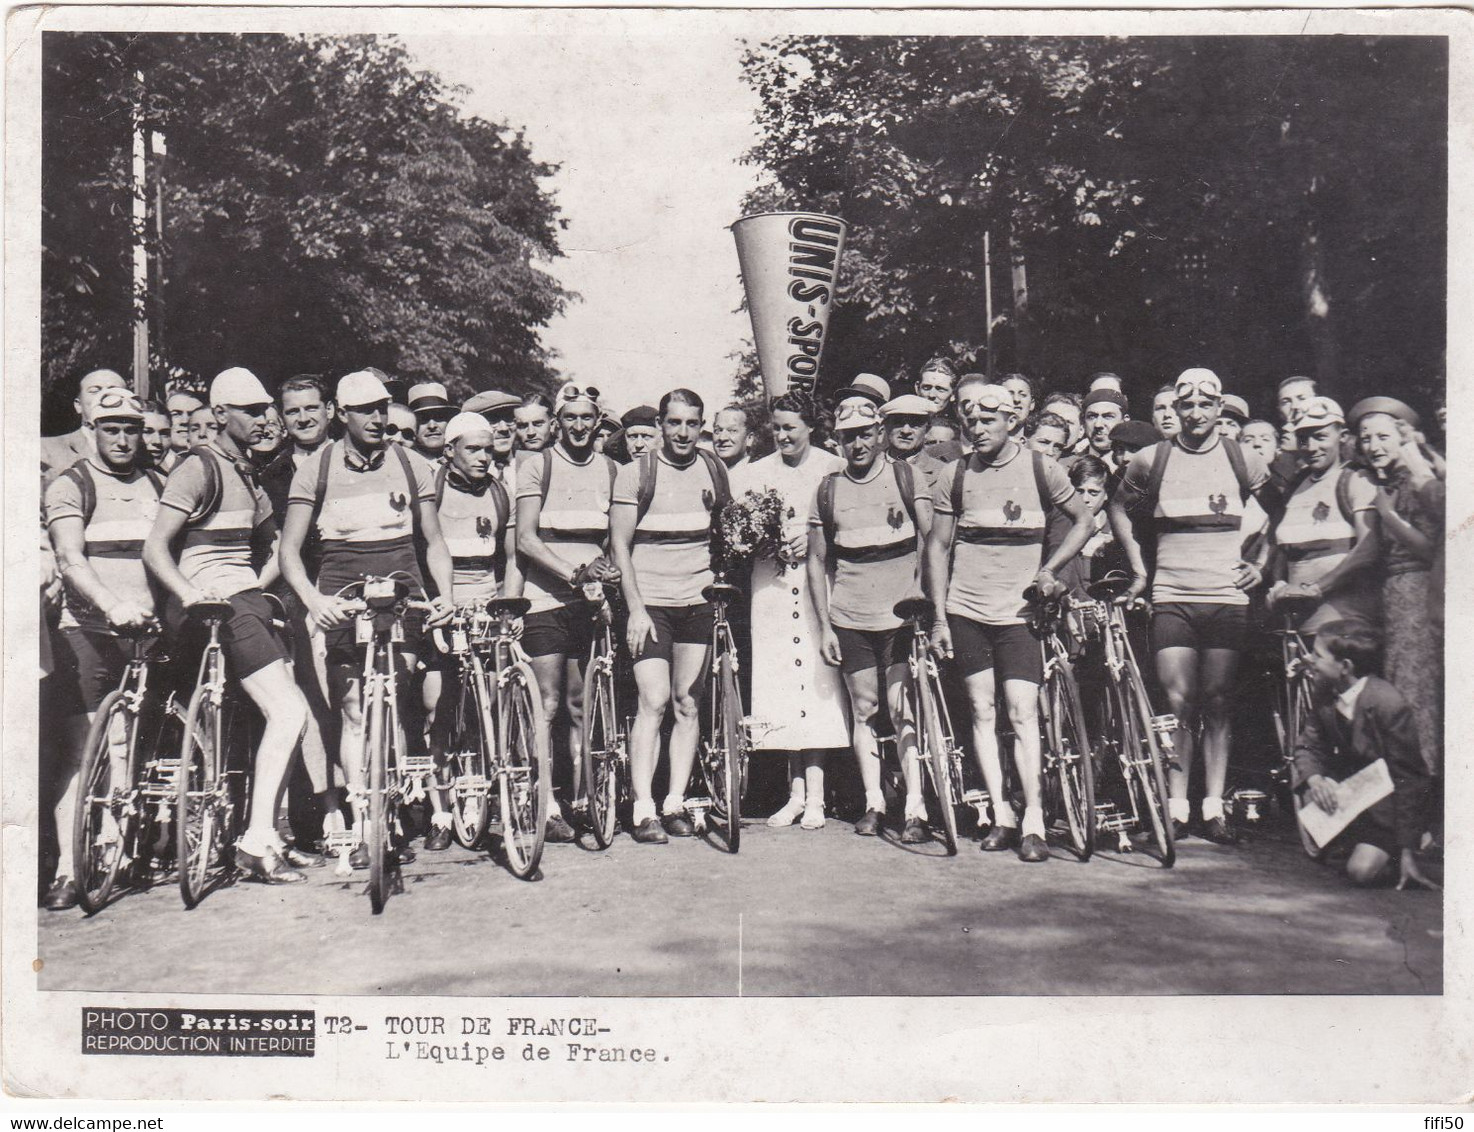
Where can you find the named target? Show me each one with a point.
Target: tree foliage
(1261, 205)
(324, 206)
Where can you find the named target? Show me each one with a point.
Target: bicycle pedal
(472, 786)
(416, 766)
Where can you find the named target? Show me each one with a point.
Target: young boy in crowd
(1358, 719)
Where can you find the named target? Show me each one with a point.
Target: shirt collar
(356, 463)
(1346, 701)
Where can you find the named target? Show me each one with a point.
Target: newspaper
(1354, 796)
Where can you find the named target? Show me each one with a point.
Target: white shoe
(788, 814)
(813, 817)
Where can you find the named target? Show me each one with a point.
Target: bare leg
(981, 695)
(652, 682)
(1177, 670)
(284, 709)
(687, 669)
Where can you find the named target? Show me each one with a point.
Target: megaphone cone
(790, 271)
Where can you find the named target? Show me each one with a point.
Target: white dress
(798, 701)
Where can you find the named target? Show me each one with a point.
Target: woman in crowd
(798, 701)
(1409, 507)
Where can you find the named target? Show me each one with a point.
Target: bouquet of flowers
(751, 527)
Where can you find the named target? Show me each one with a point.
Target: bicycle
(213, 781)
(1294, 702)
(1068, 761)
(1140, 741)
(938, 755)
(605, 783)
(125, 801)
(724, 747)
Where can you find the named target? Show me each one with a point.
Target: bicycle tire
(1072, 757)
(470, 813)
(1137, 714)
(601, 748)
(523, 775)
(376, 738)
(97, 873)
(1300, 705)
(933, 756)
(723, 765)
(197, 816)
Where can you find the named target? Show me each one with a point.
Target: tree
(325, 206)
(1262, 205)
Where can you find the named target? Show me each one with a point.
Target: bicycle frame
(922, 666)
(723, 659)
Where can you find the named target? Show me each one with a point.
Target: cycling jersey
(1199, 519)
(574, 520)
(123, 511)
(216, 552)
(366, 524)
(1314, 534)
(473, 521)
(672, 554)
(875, 554)
(999, 540)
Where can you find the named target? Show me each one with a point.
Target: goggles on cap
(1316, 412)
(1206, 385)
(574, 392)
(117, 403)
(856, 412)
(987, 398)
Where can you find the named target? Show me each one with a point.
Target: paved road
(796, 913)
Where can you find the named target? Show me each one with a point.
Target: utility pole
(140, 245)
(988, 297)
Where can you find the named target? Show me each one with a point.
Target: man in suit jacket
(1358, 719)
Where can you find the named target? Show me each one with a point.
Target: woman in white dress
(798, 701)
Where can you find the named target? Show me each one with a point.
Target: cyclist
(58, 453)
(1325, 546)
(368, 501)
(659, 527)
(98, 512)
(497, 407)
(905, 421)
(479, 528)
(1192, 493)
(866, 527)
(563, 501)
(213, 501)
(985, 549)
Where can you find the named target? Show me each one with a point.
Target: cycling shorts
(567, 630)
(1199, 625)
(99, 660)
(869, 650)
(1012, 651)
(677, 625)
(250, 641)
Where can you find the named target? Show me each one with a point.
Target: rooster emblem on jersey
(1321, 512)
(1012, 512)
(483, 527)
(398, 501)
(707, 498)
(894, 517)
(1218, 504)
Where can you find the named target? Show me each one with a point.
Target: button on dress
(798, 701)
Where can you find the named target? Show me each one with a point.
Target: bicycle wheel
(933, 754)
(524, 780)
(377, 735)
(1146, 774)
(724, 753)
(601, 747)
(470, 762)
(100, 820)
(1070, 757)
(1300, 706)
(197, 819)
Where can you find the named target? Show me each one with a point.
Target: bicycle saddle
(722, 592)
(209, 610)
(1297, 605)
(915, 609)
(1112, 586)
(508, 607)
